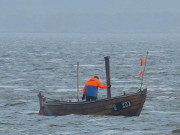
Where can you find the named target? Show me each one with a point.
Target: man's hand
(83, 97)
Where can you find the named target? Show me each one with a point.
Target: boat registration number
(121, 105)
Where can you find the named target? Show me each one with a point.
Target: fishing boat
(124, 105)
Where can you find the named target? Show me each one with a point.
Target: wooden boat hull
(129, 105)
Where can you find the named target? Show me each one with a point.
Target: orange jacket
(91, 83)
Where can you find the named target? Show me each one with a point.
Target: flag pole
(144, 71)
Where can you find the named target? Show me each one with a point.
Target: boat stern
(41, 102)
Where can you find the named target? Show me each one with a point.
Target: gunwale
(98, 107)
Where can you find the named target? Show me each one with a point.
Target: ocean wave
(164, 112)
(15, 103)
(165, 98)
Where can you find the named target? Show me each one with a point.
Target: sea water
(30, 63)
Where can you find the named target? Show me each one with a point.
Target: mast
(107, 67)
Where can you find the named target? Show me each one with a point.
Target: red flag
(143, 61)
(141, 73)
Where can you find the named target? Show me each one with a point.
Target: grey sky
(89, 15)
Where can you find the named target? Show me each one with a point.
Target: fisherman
(91, 88)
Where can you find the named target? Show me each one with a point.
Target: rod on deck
(107, 67)
(78, 81)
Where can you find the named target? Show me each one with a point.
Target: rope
(54, 99)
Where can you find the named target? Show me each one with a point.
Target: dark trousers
(90, 98)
